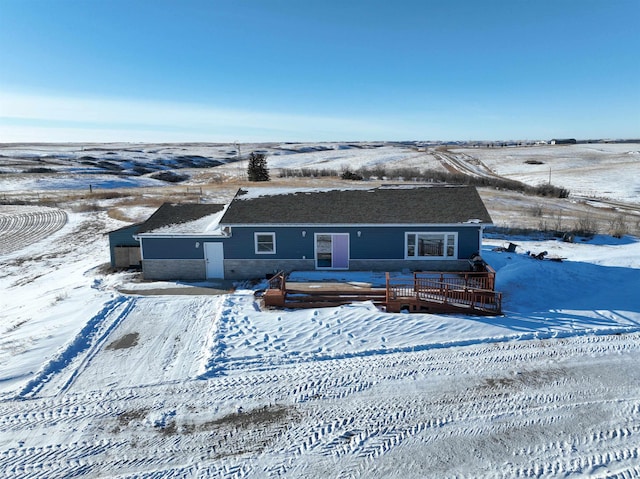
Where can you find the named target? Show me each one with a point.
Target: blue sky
(295, 70)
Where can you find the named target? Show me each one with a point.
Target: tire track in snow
(21, 226)
(338, 379)
(91, 336)
(354, 413)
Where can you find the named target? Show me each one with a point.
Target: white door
(214, 258)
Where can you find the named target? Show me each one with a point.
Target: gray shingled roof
(384, 205)
(178, 213)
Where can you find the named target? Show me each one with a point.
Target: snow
(98, 383)
(586, 170)
(80, 182)
(208, 224)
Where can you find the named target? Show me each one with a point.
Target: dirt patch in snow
(135, 415)
(525, 378)
(126, 341)
(267, 415)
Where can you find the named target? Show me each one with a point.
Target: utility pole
(238, 159)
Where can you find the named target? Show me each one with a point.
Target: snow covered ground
(589, 170)
(601, 170)
(98, 383)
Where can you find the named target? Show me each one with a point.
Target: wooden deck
(425, 292)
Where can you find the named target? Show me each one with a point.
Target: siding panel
(373, 242)
(175, 248)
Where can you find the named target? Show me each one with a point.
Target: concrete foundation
(174, 269)
(250, 268)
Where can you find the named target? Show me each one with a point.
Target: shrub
(585, 226)
(618, 226)
(350, 175)
(536, 211)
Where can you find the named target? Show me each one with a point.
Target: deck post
(387, 293)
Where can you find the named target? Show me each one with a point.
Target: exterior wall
(173, 248)
(399, 265)
(247, 269)
(122, 237)
(125, 256)
(172, 269)
(375, 249)
(175, 258)
(373, 243)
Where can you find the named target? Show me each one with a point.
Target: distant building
(563, 141)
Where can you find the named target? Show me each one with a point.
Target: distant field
(603, 179)
(592, 170)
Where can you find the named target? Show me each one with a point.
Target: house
(266, 230)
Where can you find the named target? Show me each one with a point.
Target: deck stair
(465, 293)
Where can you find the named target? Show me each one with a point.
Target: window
(265, 243)
(431, 245)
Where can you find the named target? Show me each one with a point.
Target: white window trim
(427, 258)
(264, 233)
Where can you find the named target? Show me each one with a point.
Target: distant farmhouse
(265, 230)
(563, 141)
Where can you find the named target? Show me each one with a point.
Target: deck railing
(474, 290)
(278, 282)
(476, 280)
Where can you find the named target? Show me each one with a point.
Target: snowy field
(609, 171)
(98, 383)
(596, 170)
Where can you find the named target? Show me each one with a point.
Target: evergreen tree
(257, 169)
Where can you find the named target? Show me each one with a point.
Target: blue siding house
(266, 230)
